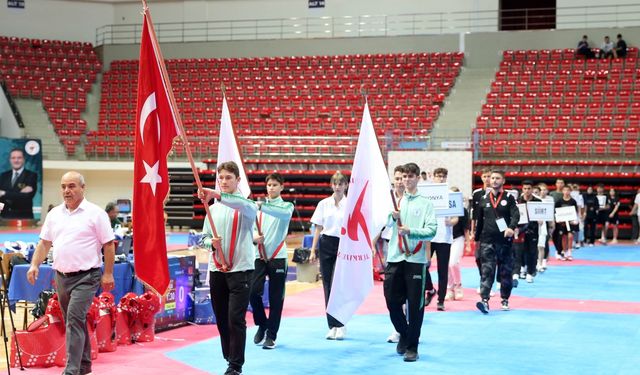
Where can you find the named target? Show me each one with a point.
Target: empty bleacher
(308, 106)
(60, 73)
(553, 104)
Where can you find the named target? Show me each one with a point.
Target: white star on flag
(152, 177)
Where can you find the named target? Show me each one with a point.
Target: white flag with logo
(368, 206)
(228, 149)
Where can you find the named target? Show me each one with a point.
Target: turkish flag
(156, 126)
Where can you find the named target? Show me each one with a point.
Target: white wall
(55, 19)
(202, 10)
(8, 125)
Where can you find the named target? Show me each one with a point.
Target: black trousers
(443, 252)
(276, 270)
(498, 255)
(230, 298)
(635, 227)
(404, 282)
(556, 237)
(526, 254)
(590, 229)
(327, 253)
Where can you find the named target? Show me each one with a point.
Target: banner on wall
(15, 4)
(316, 4)
(20, 178)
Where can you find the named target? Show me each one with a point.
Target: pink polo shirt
(77, 236)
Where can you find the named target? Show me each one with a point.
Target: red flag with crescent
(155, 129)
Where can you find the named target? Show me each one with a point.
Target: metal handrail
(367, 25)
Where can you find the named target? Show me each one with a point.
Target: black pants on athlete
(327, 254)
(230, 299)
(498, 255)
(404, 282)
(526, 254)
(276, 270)
(590, 229)
(443, 253)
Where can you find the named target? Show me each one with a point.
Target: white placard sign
(602, 200)
(513, 192)
(566, 214)
(541, 211)
(456, 206)
(524, 219)
(438, 194)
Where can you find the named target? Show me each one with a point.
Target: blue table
(20, 289)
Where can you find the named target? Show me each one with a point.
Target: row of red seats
(561, 134)
(557, 121)
(532, 67)
(546, 54)
(552, 98)
(294, 61)
(550, 148)
(44, 43)
(567, 109)
(555, 162)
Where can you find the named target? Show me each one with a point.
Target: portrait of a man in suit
(17, 188)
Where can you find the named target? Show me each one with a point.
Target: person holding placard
(404, 281)
(575, 194)
(565, 229)
(635, 218)
(441, 246)
(498, 218)
(460, 229)
(546, 227)
(590, 216)
(603, 211)
(526, 250)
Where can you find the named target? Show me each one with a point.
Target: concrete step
(37, 125)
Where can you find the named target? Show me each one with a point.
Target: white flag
(368, 206)
(228, 149)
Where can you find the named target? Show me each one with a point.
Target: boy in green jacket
(414, 224)
(232, 261)
(272, 226)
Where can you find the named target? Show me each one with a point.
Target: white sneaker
(394, 337)
(340, 333)
(515, 276)
(529, 278)
(458, 294)
(478, 290)
(331, 335)
(560, 257)
(544, 265)
(449, 295)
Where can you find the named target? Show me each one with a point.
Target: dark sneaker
(483, 306)
(505, 305)
(258, 339)
(440, 306)
(231, 371)
(429, 297)
(401, 348)
(269, 343)
(410, 356)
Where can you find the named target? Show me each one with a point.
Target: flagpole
(178, 119)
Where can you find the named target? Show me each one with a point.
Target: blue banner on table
(20, 193)
(177, 306)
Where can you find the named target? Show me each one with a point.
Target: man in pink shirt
(77, 230)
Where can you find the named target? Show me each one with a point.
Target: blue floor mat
(518, 341)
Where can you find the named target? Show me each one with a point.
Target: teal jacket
(274, 217)
(230, 208)
(416, 213)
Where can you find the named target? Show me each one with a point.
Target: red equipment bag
(106, 327)
(144, 326)
(127, 314)
(43, 343)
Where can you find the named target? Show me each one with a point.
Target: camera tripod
(4, 302)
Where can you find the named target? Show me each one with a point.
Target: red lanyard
(495, 203)
(232, 245)
(418, 246)
(261, 249)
